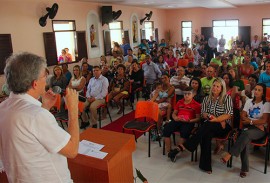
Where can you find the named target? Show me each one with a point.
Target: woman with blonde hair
(77, 81)
(103, 60)
(189, 55)
(216, 111)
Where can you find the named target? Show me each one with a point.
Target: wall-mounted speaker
(106, 14)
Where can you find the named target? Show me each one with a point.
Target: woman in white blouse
(254, 118)
(77, 81)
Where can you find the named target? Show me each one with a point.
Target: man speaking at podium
(33, 148)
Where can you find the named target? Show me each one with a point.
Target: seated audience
(191, 72)
(224, 68)
(265, 76)
(216, 62)
(77, 81)
(151, 74)
(196, 85)
(254, 118)
(136, 77)
(186, 113)
(66, 72)
(107, 73)
(97, 90)
(130, 53)
(216, 111)
(162, 95)
(58, 79)
(103, 60)
(171, 61)
(90, 67)
(162, 65)
(128, 63)
(86, 73)
(208, 80)
(246, 68)
(180, 82)
(189, 55)
(248, 93)
(119, 87)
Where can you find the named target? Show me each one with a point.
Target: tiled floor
(159, 168)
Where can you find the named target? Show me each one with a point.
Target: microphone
(58, 90)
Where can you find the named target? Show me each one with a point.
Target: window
(266, 28)
(116, 32)
(149, 29)
(186, 32)
(229, 29)
(65, 37)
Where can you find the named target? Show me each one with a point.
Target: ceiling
(176, 4)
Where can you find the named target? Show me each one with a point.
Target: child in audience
(160, 96)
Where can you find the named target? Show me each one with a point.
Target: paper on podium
(92, 149)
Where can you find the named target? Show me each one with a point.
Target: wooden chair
(149, 111)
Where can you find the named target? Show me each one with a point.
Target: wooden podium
(116, 167)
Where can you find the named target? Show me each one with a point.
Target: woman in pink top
(171, 61)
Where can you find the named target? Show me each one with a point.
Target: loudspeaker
(106, 14)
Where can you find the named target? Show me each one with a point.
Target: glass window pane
(116, 36)
(231, 23)
(186, 24)
(115, 25)
(186, 32)
(148, 33)
(219, 23)
(65, 40)
(266, 29)
(266, 21)
(59, 25)
(148, 25)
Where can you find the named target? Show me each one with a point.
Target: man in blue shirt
(125, 46)
(151, 74)
(97, 90)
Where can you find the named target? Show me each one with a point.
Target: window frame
(120, 29)
(182, 36)
(265, 25)
(152, 28)
(225, 26)
(75, 55)
(225, 22)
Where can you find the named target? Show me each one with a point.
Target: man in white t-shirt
(33, 147)
(180, 82)
(255, 42)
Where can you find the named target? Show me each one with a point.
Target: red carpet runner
(117, 125)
